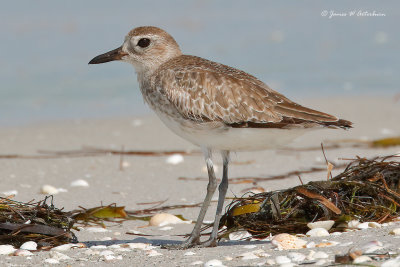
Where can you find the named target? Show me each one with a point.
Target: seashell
(97, 230)
(162, 219)
(327, 244)
(353, 224)
(189, 253)
(286, 241)
(29, 245)
(372, 246)
(361, 259)
(10, 193)
(79, 183)
(22, 252)
(317, 232)
(175, 159)
(6, 249)
(106, 252)
(153, 253)
(395, 231)
(321, 224)
(59, 256)
(241, 235)
(49, 190)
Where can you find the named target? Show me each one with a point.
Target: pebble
(6, 249)
(22, 252)
(189, 253)
(366, 225)
(51, 261)
(214, 263)
(286, 241)
(282, 260)
(321, 224)
(162, 219)
(175, 159)
(241, 235)
(80, 182)
(64, 247)
(30, 245)
(395, 231)
(49, 190)
(361, 259)
(142, 246)
(317, 232)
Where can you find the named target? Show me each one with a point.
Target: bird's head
(146, 48)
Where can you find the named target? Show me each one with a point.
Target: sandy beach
(152, 178)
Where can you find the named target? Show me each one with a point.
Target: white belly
(220, 137)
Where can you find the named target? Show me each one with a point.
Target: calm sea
(293, 46)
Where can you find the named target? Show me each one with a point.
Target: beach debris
(175, 159)
(286, 241)
(79, 183)
(38, 222)
(22, 252)
(99, 215)
(49, 190)
(240, 235)
(364, 195)
(162, 219)
(282, 260)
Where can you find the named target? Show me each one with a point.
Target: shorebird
(214, 106)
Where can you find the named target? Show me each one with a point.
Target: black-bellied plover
(214, 106)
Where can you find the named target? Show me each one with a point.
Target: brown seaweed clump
(367, 190)
(39, 222)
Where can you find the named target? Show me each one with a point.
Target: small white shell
(175, 159)
(22, 252)
(321, 224)
(320, 255)
(362, 259)
(162, 219)
(286, 241)
(296, 257)
(353, 224)
(79, 183)
(6, 249)
(49, 190)
(29, 245)
(317, 232)
(241, 235)
(282, 260)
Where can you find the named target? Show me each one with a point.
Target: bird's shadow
(162, 242)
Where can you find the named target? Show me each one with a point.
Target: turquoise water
(46, 45)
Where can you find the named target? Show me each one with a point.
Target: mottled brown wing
(207, 91)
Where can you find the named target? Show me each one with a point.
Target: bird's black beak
(112, 55)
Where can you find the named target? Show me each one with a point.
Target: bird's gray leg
(223, 187)
(194, 238)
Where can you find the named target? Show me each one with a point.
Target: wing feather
(205, 91)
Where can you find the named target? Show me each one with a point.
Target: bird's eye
(144, 42)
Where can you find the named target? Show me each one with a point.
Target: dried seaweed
(367, 190)
(39, 222)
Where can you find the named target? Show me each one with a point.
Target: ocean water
(46, 45)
